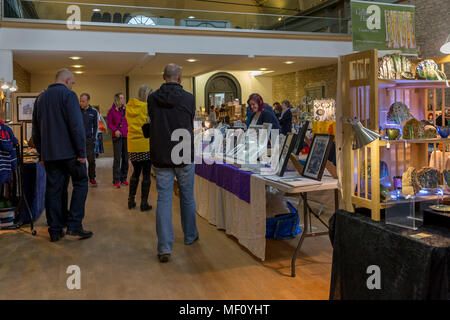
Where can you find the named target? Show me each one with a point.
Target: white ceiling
(107, 63)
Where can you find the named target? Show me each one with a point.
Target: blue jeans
(164, 185)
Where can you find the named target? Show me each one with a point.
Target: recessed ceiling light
(96, 10)
(75, 58)
(77, 66)
(191, 17)
(263, 69)
(191, 60)
(289, 62)
(79, 72)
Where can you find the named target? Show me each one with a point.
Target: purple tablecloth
(227, 177)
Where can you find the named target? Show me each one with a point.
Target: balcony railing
(153, 17)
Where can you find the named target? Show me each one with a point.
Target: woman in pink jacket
(118, 125)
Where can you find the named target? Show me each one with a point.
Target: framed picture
(288, 147)
(301, 138)
(25, 107)
(318, 156)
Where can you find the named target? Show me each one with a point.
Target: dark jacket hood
(169, 95)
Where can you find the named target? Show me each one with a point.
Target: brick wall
(22, 77)
(292, 86)
(432, 25)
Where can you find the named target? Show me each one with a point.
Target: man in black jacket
(172, 112)
(59, 137)
(90, 118)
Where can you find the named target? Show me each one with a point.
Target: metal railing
(154, 17)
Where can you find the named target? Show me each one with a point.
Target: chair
(117, 18)
(96, 17)
(106, 17)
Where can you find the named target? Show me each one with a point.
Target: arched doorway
(221, 88)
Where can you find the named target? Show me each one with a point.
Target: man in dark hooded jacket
(172, 112)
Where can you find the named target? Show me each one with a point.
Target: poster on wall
(25, 108)
(383, 26)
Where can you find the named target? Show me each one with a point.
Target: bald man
(171, 108)
(60, 139)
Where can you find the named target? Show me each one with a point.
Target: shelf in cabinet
(384, 143)
(412, 84)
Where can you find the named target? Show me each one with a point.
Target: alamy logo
(73, 22)
(374, 281)
(74, 280)
(374, 19)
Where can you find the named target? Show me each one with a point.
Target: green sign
(382, 26)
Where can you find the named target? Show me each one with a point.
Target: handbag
(146, 130)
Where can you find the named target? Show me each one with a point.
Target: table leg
(304, 232)
(336, 199)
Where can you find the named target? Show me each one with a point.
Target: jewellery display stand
(368, 98)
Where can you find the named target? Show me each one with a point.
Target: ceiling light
(280, 18)
(289, 62)
(75, 58)
(96, 10)
(446, 47)
(191, 17)
(191, 60)
(79, 72)
(77, 66)
(263, 69)
(255, 73)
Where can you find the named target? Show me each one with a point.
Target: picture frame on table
(318, 156)
(288, 147)
(25, 106)
(301, 137)
(28, 130)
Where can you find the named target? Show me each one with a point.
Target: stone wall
(22, 77)
(292, 86)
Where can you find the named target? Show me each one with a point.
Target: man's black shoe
(163, 258)
(81, 234)
(56, 237)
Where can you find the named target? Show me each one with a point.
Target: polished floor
(120, 261)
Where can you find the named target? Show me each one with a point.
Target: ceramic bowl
(392, 133)
(444, 132)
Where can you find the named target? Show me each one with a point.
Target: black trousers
(145, 167)
(56, 194)
(141, 166)
(120, 165)
(90, 153)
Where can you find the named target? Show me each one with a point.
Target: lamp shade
(446, 47)
(4, 84)
(13, 87)
(363, 136)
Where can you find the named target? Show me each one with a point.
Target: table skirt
(244, 221)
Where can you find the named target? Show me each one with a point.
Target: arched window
(142, 20)
(221, 88)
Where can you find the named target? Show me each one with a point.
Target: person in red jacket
(118, 125)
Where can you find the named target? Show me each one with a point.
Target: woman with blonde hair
(118, 125)
(139, 147)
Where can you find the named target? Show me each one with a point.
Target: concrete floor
(120, 261)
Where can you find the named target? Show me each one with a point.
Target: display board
(383, 26)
